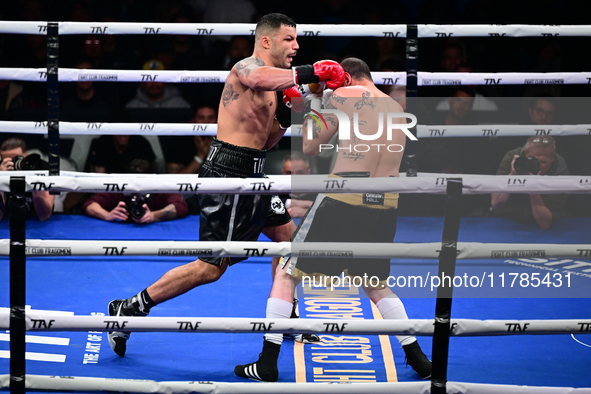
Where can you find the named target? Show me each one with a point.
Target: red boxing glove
(293, 99)
(327, 71)
(331, 72)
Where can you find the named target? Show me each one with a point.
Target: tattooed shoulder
(229, 95)
(246, 66)
(338, 99)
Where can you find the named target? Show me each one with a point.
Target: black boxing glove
(283, 113)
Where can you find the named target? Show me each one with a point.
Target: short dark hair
(272, 22)
(357, 68)
(13, 143)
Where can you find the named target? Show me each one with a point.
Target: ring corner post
(412, 57)
(17, 218)
(447, 265)
(53, 137)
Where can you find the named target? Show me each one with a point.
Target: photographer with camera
(136, 207)
(15, 157)
(537, 157)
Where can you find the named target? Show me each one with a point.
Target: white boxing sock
(392, 308)
(277, 309)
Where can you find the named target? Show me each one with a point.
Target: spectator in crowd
(184, 155)
(84, 104)
(480, 102)
(39, 204)
(240, 48)
(112, 153)
(460, 107)
(542, 209)
(138, 208)
(92, 50)
(452, 57)
(297, 163)
(154, 94)
(542, 109)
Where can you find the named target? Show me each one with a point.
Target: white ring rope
(428, 250)
(209, 129)
(215, 29)
(379, 77)
(77, 383)
(435, 184)
(39, 321)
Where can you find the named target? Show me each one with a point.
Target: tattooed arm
(322, 128)
(253, 73)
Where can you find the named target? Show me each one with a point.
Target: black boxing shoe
(417, 360)
(265, 369)
(128, 307)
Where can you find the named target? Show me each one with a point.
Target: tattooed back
(367, 109)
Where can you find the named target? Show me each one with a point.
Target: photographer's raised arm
(175, 207)
(95, 210)
(499, 199)
(542, 214)
(43, 202)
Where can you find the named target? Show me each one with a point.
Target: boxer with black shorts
(251, 120)
(367, 217)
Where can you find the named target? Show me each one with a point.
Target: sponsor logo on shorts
(48, 251)
(277, 205)
(97, 77)
(441, 82)
(185, 252)
(373, 198)
(326, 253)
(517, 253)
(544, 81)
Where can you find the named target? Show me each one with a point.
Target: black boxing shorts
(361, 219)
(233, 217)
